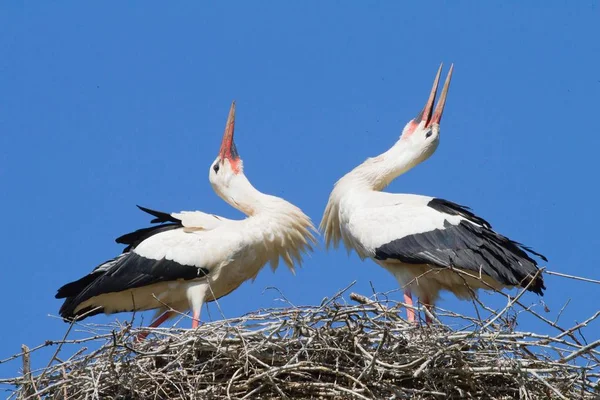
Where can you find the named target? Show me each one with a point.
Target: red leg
(410, 312)
(161, 319)
(165, 316)
(196, 320)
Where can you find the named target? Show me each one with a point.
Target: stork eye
(216, 167)
(428, 134)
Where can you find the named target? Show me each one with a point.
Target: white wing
(199, 220)
(421, 230)
(201, 249)
(374, 226)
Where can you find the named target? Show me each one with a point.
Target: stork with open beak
(428, 244)
(192, 257)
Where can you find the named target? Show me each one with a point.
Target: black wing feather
(129, 270)
(133, 239)
(126, 272)
(471, 246)
(160, 216)
(451, 208)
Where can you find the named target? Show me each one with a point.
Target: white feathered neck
(285, 230)
(375, 174)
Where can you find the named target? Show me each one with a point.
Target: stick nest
(361, 350)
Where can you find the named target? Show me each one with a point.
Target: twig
(578, 278)
(29, 388)
(361, 350)
(581, 351)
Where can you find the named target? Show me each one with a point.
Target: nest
(361, 349)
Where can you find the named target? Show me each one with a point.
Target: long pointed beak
(425, 113)
(439, 109)
(228, 149)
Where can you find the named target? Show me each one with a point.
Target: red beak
(228, 150)
(426, 113)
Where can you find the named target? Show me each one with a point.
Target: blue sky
(103, 108)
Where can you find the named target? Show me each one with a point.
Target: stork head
(423, 131)
(228, 166)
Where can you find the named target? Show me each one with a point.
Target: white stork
(427, 243)
(193, 257)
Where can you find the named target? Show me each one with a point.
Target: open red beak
(426, 113)
(228, 150)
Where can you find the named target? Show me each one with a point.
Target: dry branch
(332, 351)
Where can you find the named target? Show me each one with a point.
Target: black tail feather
(74, 288)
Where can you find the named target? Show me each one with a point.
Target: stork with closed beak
(428, 244)
(193, 257)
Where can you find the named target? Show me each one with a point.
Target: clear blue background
(104, 107)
